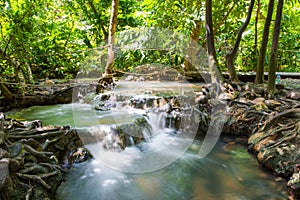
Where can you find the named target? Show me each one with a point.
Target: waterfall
(157, 121)
(147, 135)
(131, 141)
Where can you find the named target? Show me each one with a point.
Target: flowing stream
(224, 174)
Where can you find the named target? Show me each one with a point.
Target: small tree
(211, 51)
(264, 43)
(107, 78)
(231, 56)
(111, 37)
(273, 53)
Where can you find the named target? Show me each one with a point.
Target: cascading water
(157, 121)
(145, 146)
(131, 141)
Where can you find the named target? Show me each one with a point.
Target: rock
(248, 94)
(16, 149)
(272, 104)
(260, 106)
(244, 100)
(247, 87)
(4, 173)
(228, 96)
(201, 98)
(78, 155)
(259, 90)
(294, 95)
(3, 154)
(129, 78)
(33, 124)
(102, 106)
(14, 165)
(258, 100)
(102, 97)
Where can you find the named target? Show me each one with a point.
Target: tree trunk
(231, 56)
(274, 48)
(111, 37)
(256, 30)
(192, 48)
(211, 51)
(264, 43)
(5, 92)
(107, 81)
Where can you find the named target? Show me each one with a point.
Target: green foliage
(56, 38)
(41, 35)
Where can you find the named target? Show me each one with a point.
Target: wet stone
(14, 165)
(78, 155)
(3, 154)
(4, 172)
(16, 149)
(294, 95)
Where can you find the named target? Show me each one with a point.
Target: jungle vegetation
(57, 38)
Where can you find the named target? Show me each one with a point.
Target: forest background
(55, 38)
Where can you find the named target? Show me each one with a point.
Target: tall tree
(274, 48)
(111, 36)
(211, 51)
(256, 28)
(231, 55)
(264, 43)
(192, 48)
(106, 80)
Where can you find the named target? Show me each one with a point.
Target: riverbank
(273, 130)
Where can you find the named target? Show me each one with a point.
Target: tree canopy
(54, 38)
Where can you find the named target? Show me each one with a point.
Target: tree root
(34, 154)
(288, 137)
(42, 155)
(291, 113)
(34, 169)
(34, 178)
(37, 135)
(48, 142)
(54, 167)
(29, 190)
(29, 193)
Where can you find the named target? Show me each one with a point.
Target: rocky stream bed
(35, 158)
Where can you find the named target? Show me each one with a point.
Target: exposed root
(29, 193)
(291, 113)
(36, 135)
(48, 142)
(34, 178)
(42, 155)
(29, 190)
(33, 154)
(288, 137)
